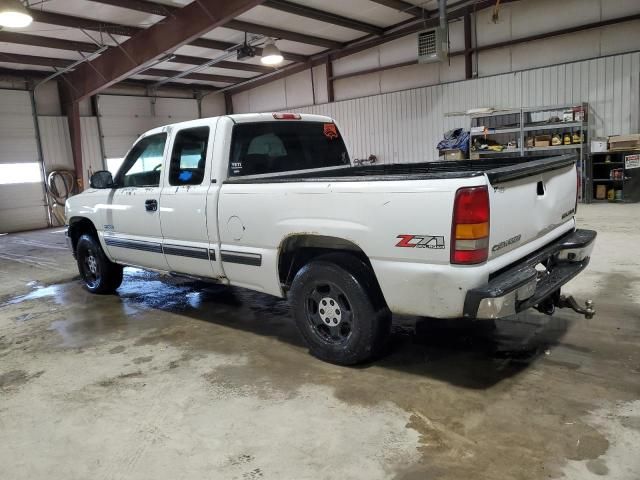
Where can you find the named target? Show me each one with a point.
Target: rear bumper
(523, 286)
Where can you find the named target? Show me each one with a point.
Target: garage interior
(176, 378)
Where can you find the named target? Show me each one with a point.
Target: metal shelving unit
(516, 125)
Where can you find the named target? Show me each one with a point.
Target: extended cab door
(187, 245)
(132, 221)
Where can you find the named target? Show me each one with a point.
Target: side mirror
(102, 179)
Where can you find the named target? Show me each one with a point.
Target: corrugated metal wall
(406, 126)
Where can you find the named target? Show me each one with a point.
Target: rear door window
(189, 156)
(280, 146)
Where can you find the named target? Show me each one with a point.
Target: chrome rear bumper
(533, 279)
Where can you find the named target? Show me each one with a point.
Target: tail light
(470, 227)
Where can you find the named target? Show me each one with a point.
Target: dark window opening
(189, 156)
(272, 147)
(143, 164)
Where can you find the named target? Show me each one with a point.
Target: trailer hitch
(548, 306)
(567, 301)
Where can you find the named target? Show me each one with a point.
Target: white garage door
(124, 118)
(22, 200)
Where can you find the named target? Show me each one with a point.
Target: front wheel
(339, 310)
(98, 273)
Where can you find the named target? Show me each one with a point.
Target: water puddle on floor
(39, 292)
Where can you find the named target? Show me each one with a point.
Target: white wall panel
(297, 89)
(213, 105)
(359, 86)
(616, 38)
(48, 99)
(269, 97)
(56, 143)
(92, 159)
(320, 84)
(124, 118)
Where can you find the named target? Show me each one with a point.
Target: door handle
(151, 205)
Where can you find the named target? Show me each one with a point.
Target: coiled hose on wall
(61, 184)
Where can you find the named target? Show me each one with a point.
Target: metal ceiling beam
(37, 41)
(282, 5)
(74, 46)
(184, 26)
(363, 43)
(321, 15)
(404, 7)
(70, 21)
(279, 33)
(151, 72)
(31, 75)
(169, 10)
(205, 77)
(242, 66)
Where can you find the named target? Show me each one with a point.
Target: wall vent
(432, 46)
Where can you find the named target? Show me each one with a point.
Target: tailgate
(529, 200)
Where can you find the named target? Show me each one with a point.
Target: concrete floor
(171, 380)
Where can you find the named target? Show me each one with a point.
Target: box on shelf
(542, 141)
(454, 154)
(601, 192)
(624, 142)
(599, 145)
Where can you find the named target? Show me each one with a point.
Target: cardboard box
(599, 145)
(542, 141)
(601, 192)
(454, 154)
(625, 142)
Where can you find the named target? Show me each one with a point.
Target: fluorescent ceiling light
(14, 15)
(271, 54)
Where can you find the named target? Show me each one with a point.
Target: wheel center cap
(330, 311)
(92, 264)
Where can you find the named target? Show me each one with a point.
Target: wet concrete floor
(178, 379)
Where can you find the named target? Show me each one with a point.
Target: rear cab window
(284, 146)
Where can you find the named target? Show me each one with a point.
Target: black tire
(99, 274)
(339, 310)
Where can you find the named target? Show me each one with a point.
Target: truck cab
(272, 202)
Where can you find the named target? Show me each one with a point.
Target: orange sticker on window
(330, 131)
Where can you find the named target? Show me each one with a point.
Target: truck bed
(497, 170)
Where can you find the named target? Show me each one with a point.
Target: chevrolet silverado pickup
(274, 203)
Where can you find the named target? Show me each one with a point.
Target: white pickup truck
(273, 203)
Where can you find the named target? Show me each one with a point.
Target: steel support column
(71, 109)
(468, 53)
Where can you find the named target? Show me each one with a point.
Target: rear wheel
(339, 310)
(98, 273)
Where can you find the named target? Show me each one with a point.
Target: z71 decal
(421, 241)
